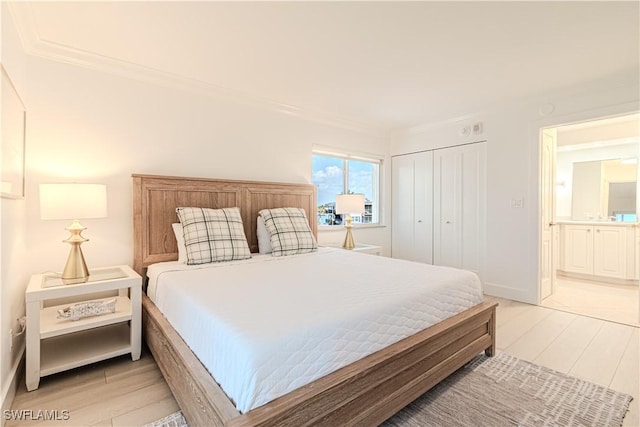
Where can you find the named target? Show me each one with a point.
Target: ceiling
(383, 65)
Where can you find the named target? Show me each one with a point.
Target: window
(341, 174)
(626, 217)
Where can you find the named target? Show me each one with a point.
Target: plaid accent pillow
(289, 230)
(212, 235)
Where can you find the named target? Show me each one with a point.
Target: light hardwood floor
(120, 392)
(618, 303)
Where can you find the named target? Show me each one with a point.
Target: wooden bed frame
(366, 392)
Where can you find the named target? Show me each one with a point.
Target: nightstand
(365, 249)
(58, 344)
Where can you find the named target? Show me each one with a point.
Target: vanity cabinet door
(635, 254)
(578, 249)
(610, 254)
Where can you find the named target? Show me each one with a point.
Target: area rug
(503, 391)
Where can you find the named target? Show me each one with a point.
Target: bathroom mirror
(605, 190)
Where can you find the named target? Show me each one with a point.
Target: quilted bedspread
(266, 326)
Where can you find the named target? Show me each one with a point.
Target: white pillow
(213, 235)
(289, 231)
(182, 249)
(264, 237)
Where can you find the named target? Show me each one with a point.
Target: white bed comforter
(266, 326)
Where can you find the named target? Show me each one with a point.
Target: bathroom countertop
(595, 222)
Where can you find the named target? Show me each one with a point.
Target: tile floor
(616, 303)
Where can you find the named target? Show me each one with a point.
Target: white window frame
(376, 211)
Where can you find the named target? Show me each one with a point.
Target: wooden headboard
(155, 199)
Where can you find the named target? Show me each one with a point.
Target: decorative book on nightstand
(56, 343)
(365, 249)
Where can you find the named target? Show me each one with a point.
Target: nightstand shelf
(57, 344)
(52, 326)
(89, 346)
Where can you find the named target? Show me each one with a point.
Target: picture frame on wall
(14, 117)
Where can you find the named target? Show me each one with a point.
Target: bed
(366, 391)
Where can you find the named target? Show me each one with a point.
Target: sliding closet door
(459, 187)
(412, 203)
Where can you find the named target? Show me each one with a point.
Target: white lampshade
(350, 204)
(73, 201)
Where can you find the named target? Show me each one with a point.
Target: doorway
(590, 200)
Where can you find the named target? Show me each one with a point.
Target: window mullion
(345, 178)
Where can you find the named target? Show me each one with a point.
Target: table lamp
(73, 201)
(349, 204)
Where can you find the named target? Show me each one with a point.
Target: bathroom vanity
(600, 250)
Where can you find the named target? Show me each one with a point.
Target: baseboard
(508, 293)
(593, 278)
(11, 386)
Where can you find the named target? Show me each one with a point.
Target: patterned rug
(503, 391)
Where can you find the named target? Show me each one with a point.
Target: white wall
(89, 126)
(513, 140)
(84, 125)
(13, 251)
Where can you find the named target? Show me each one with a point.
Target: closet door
(423, 214)
(412, 202)
(459, 187)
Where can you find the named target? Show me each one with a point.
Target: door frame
(547, 224)
(554, 122)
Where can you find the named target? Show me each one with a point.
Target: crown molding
(427, 126)
(34, 45)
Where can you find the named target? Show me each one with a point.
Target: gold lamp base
(75, 271)
(348, 239)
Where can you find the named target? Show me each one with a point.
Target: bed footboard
(366, 392)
